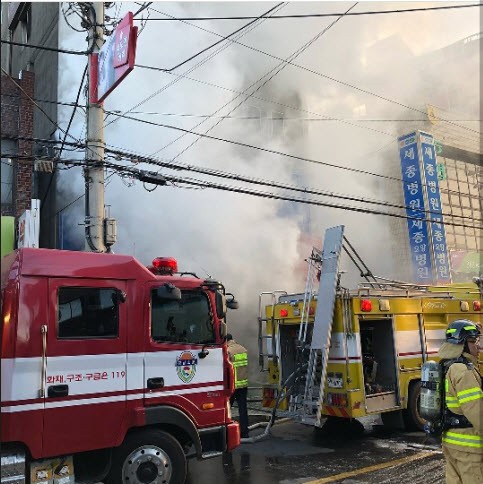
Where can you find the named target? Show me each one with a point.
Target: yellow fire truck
(366, 345)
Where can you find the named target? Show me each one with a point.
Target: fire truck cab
(110, 370)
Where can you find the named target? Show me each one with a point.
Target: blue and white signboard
(433, 204)
(414, 201)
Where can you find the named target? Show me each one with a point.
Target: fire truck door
(183, 365)
(86, 364)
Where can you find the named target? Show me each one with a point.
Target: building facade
(17, 162)
(36, 71)
(453, 108)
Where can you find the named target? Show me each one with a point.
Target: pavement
(299, 454)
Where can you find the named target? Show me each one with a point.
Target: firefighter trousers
(240, 395)
(463, 468)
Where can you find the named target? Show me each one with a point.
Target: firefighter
(463, 434)
(239, 358)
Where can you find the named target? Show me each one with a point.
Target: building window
(25, 22)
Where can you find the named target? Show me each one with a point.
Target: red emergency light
(165, 265)
(311, 310)
(476, 305)
(366, 305)
(283, 313)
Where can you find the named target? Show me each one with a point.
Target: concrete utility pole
(94, 172)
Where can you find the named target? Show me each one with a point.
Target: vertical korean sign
(414, 201)
(433, 204)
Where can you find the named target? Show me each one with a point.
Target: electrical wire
(259, 148)
(66, 15)
(351, 122)
(45, 114)
(47, 101)
(52, 176)
(226, 37)
(134, 172)
(261, 98)
(321, 15)
(273, 196)
(40, 47)
(78, 198)
(295, 108)
(269, 183)
(280, 118)
(272, 73)
(41, 141)
(191, 69)
(143, 7)
(236, 189)
(309, 160)
(38, 107)
(346, 84)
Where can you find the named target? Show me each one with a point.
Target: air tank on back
(431, 391)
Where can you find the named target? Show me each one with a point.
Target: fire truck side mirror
(168, 291)
(223, 331)
(220, 304)
(231, 303)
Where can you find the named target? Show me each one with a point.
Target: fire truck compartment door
(379, 364)
(86, 365)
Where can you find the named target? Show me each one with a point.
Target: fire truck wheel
(412, 418)
(148, 457)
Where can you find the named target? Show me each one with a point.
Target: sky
(256, 244)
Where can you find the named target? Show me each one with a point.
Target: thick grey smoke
(254, 244)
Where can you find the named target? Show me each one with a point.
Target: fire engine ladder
(322, 327)
(303, 342)
(267, 343)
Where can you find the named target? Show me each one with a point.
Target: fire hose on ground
(283, 394)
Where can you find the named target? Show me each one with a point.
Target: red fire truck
(110, 370)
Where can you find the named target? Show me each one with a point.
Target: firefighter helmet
(460, 330)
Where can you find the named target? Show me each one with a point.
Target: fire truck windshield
(188, 320)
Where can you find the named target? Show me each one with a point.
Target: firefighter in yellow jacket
(463, 434)
(239, 358)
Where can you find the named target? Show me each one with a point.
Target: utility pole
(94, 171)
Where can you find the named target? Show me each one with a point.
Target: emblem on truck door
(186, 366)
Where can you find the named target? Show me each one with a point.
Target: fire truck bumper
(232, 436)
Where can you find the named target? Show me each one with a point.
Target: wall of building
(36, 24)
(17, 121)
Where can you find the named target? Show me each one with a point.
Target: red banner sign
(115, 60)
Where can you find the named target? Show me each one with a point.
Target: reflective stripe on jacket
(464, 396)
(239, 358)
